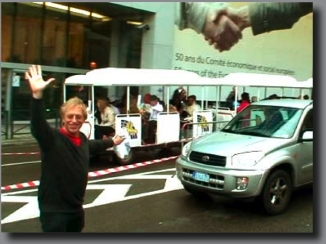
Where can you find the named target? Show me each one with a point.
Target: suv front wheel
(277, 192)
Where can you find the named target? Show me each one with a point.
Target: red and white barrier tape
(92, 174)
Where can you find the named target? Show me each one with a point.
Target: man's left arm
(99, 146)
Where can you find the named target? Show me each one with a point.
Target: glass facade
(63, 36)
(42, 34)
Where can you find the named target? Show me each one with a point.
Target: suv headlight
(246, 159)
(186, 149)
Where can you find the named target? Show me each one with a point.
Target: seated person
(171, 108)
(105, 119)
(145, 107)
(149, 129)
(133, 108)
(273, 120)
(112, 103)
(179, 98)
(191, 106)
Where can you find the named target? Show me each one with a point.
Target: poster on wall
(280, 52)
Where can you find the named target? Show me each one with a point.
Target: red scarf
(75, 139)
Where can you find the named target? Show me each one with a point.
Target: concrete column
(157, 42)
(114, 51)
(114, 44)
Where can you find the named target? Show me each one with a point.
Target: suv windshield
(265, 121)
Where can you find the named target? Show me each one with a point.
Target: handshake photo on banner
(222, 25)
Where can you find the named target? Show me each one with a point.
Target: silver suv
(263, 153)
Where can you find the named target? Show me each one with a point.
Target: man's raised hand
(36, 82)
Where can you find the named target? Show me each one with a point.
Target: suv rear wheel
(277, 192)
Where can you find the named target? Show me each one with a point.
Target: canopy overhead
(163, 77)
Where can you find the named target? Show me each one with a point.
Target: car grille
(215, 181)
(208, 159)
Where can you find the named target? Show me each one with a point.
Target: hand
(219, 29)
(229, 23)
(36, 82)
(118, 139)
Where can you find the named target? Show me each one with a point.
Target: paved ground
(18, 140)
(21, 135)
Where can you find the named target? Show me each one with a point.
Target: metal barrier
(187, 130)
(20, 122)
(5, 124)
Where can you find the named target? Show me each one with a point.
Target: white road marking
(111, 193)
(14, 164)
(28, 211)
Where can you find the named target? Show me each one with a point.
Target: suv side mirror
(307, 136)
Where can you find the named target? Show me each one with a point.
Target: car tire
(276, 193)
(195, 193)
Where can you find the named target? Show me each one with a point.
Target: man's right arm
(40, 128)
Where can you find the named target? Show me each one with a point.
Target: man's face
(73, 120)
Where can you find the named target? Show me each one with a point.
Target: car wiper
(252, 133)
(228, 130)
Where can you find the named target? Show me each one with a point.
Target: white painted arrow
(111, 193)
(172, 183)
(28, 211)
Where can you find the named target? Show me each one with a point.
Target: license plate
(200, 176)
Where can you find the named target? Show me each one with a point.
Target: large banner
(287, 52)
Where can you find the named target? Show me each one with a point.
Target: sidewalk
(21, 134)
(21, 137)
(17, 140)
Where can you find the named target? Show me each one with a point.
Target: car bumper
(221, 181)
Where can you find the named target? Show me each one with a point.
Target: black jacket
(64, 165)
